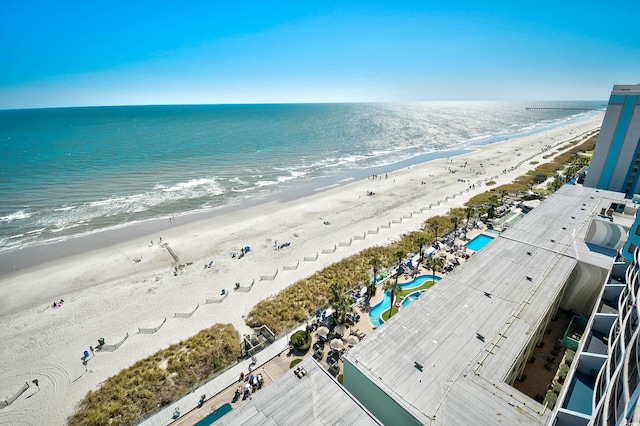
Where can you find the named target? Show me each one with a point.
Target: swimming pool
(479, 242)
(411, 297)
(215, 416)
(376, 312)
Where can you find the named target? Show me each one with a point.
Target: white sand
(107, 294)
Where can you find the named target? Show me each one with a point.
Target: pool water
(376, 311)
(411, 297)
(479, 242)
(215, 416)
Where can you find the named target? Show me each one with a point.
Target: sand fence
(111, 348)
(331, 250)
(12, 398)
(189, 314)
(269, 277)
(247, 289)
(291, 268)
(218, 299)
(151, 330)
(311, 258)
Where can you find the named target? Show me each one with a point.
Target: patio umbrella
(339, 330)
(352, 340)
(323, 331)
(336, 344)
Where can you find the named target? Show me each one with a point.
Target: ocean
(72, 171)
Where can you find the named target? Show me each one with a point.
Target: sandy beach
(129, 283)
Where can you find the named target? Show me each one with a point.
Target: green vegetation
(297, 302)
(295, 362)
(158, 380)
(568, 356)
(550, 399)
(401, 294)
(301, 341)
(163, 377)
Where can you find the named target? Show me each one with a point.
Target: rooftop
(310, 398)
(470, 330)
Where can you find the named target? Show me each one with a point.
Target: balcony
(580, 393)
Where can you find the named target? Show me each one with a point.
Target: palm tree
(470, 212)
(375, 265)
(400, 254)
(336, 289)
(340, 302)
(455, 221)
(434, 226)
(393, 287)
(421, 241)
(435, 264)
(342, 305)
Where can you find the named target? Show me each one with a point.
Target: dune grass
(158, 380)
(300, 301)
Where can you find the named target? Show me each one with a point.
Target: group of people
(252, 384)
(57, 305)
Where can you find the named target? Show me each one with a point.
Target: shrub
(568, 356)
(491, 183)
(550, 400)
(562, 373)
(539, 178)
(301, 341)
(295, 362)
(340, 378)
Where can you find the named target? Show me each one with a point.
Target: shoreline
(113, 290)
(14, 260)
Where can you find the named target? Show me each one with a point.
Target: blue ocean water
(70, 171)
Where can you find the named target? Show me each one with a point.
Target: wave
(19, 215)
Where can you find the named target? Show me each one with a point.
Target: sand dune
(113, 291)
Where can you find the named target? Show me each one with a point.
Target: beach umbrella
(336, 344)
(323, 331)
(339, 330)
(351, 340)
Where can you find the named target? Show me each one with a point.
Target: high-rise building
(616, 159)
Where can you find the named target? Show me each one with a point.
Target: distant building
(616, 158)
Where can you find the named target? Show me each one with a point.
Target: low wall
(328, 251)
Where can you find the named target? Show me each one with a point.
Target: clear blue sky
(61, 53)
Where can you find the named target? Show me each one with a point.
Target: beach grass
(298, 302)
(158, 380)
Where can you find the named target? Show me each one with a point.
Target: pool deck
(454, 257)
(273, 362)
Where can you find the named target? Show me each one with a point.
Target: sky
(81, 53)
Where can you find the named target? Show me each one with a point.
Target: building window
(632, 247)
